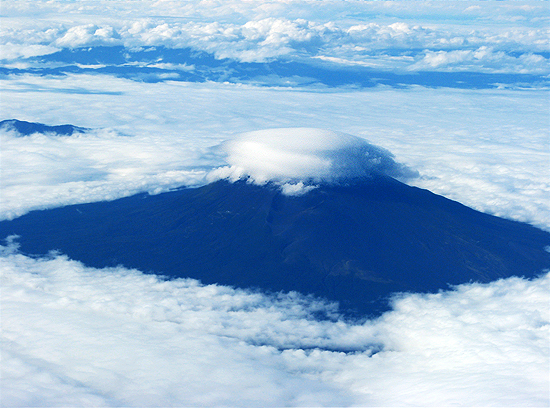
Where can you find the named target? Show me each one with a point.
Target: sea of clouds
(73, 335)
(77, 336)
(485, 148)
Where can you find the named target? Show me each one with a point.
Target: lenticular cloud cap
(304, 155)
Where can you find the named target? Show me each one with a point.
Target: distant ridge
(28, 128)
(138, 64)
(355, 244)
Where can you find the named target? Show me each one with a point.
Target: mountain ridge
(25, 128)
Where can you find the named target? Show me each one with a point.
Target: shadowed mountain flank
(355, 243)
(28, 128)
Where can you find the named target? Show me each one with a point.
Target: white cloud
(485, 148)
(484, 58)
(296, 189)
(73, 335)
(45, 170)
(304, 155)
(178, 67)
(10, 51)
(363, 33)
(86, 35)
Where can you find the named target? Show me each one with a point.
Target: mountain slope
(355, 243)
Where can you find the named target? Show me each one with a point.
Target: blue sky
(456, 91)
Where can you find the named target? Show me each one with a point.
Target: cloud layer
(485, 148)
(73, 335)
(509, 38)
(118, 337)
(92, 166)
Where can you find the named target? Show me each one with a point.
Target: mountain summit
(299, 158)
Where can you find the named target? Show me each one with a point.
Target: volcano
(355, 243)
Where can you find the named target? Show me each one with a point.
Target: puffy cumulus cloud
(376, 36)
(56, 36)
(292, 156)
(86, 35)
(73, 335)
(269, 38)
(483, 59)
(257, 40)
(337, 31)
(436, 49)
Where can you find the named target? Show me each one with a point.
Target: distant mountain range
(158, 63)
(356, 243)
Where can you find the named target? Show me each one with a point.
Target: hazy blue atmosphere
(102, 100)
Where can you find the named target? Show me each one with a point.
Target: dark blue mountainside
(28, 128)
(355, 243)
